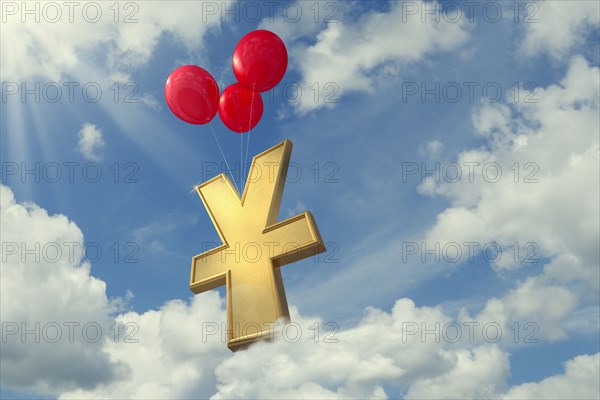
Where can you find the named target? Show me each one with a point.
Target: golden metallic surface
(254, 246)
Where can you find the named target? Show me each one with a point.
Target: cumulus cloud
(557, 27)
(59, 327)
(542, 153)
(90, 142)
(378, 352)
(534, 149)
(178, 350)
(45, 283)
(538, 304)
(57, 39)
(169, 352)
(477, 374)
(580, 381)
(360, 54)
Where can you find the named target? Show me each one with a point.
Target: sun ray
(15, 146)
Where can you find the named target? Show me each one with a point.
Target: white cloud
(170, 357)
(556, 27)
(171, 353)
(477, 374)
(361, 54)
(580, 381)
(49, 285)
(310, 22)
(550, 209)
(377, 352)
(539, 148)
(64, 39)
(539, 307)
(90, 142)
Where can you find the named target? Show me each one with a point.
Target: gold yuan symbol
(254, 246)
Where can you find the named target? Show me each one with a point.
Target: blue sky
(366, 206)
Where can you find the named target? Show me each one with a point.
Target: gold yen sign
(254, 246)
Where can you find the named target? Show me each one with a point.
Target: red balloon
(240, 109)
(260, 60)
(192, 94)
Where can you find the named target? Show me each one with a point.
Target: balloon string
(223, 154)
